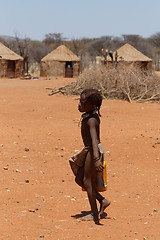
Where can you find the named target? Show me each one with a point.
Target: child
(90, 103)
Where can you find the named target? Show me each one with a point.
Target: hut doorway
(11, 69)
(68, 70)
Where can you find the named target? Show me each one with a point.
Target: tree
(155, 42)
(23, 48)
(132, 39)
(54, 39)
(37, 51)
(155, 38)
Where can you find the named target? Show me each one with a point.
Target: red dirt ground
(39, 198)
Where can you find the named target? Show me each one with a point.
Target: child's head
(90, 99)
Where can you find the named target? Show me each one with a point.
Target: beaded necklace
(86, 115)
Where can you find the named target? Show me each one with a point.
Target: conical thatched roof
(130, 54)
(7, 54)
(61, 53)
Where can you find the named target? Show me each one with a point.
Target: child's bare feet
(96, 218)
(105, 203)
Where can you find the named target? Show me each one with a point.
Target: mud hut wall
(3, 67)
(76, 69)
(52, 68)
(142, 65)
(149, 65)
(18, 68)
(42, 69)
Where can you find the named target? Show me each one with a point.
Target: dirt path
(39, 198)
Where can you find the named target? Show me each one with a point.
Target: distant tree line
(86, 48)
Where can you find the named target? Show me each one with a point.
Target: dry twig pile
(127, 83)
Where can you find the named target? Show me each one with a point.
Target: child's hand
(98, 165)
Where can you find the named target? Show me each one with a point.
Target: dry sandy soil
(39, 198)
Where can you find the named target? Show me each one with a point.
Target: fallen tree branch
(126, 83)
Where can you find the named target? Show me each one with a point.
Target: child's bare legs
(79, 180)
(79, 177)
(87, 180)
(84, 179)
(104, 203)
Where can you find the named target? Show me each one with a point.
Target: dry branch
(127, 83)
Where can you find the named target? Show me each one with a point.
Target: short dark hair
(94, 97)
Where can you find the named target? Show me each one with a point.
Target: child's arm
(93, 132)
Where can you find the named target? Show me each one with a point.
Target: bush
(125, 82)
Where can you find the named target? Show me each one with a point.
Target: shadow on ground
(84, 214)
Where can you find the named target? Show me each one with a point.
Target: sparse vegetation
(87, 49)
(125, 82)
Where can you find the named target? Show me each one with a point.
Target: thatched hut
(127, 54)
(61, 62)
(11, 64)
